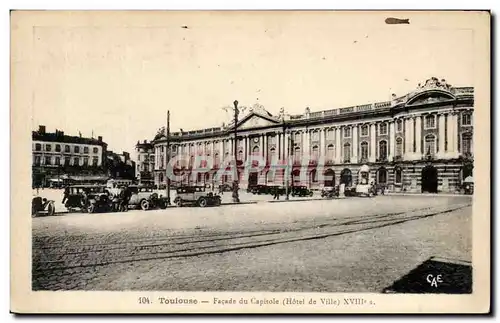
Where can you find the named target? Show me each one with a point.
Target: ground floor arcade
(416, 176)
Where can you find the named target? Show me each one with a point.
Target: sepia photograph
(250, 161)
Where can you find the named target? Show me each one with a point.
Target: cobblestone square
(339, 245)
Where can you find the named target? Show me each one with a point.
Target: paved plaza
(337, 245)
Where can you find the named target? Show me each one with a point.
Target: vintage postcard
(250, 161)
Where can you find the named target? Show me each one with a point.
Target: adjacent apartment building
(57, 156)
(421, 141)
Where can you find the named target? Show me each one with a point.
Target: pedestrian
(276, 193)
(66, 194)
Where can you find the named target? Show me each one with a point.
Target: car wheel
(145, 205)
(91, 208)
(163, 205)
(51, 209)
(202, 202)
(217, 202)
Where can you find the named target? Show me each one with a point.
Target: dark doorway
(346, 177)
(429, 179)
(329, 178)
(253, 178)
(382, 176)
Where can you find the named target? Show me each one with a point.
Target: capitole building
(418, 142)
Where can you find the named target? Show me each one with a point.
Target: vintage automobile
(261, 189)
(88, 198)
(196, 195)
(350, 191)
(468, 184)
(301, 191)
(330, 191)
(145, 198)
(42, 207)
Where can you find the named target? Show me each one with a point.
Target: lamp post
(168, 156)
(236, 198)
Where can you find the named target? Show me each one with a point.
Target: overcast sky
(117, 78)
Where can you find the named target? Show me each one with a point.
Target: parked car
(261, 189)
(145, 198)
(301, 191)
(88, 198)
(350, 191)
(42, 207)
(196, 195)
(330, 191)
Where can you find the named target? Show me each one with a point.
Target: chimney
(99, 138)
(41, 129)
(61, 133)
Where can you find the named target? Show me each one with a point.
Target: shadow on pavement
(436, 276)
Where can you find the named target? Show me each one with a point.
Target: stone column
(453, 140)
(407, 138)
(354, 135)
(373, 142)
(418, 137)
(442, 137)
(264, 147)
(338, 149)
(285, 146)
(392, 141)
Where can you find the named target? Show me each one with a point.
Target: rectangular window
(315, 136)
(95, 160)
(347, 132)
(58, 148)
(466, 119)
(58, 161)
(430, 122)
(66, 161)
(48, 147)
(382, 130)
(37, 160)
(85, 161)
(47, 161)
(76, 161)
(329, 134)
(364, 131)
(85, 150)
(77, 149)
(38, 147)
(95, 150)
(400, 125)
(66, 149)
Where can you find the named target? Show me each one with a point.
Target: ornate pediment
(256, 121)
(430, 97)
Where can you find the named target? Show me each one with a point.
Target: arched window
(430, 145)
(347, 152)
(399, 147)
(364, 150)
(398, 175)
(314, 176)
(255, 150)
(382, 149)
(430, 121)
(467, 143)
(240, 155)
(269, 177)
(331, 152)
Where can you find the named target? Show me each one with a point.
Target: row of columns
(414, 143)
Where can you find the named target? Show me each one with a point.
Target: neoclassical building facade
(420, 142)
